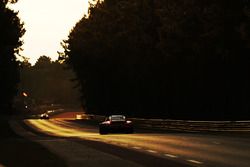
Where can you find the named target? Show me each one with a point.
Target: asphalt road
(148, 148)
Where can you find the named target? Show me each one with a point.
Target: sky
(47, 23)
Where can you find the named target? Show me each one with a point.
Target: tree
(207, 45)
(107, 47)
(49, 82)
(11, 31)
(165, 58)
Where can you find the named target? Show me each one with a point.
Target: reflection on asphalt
(193, 148)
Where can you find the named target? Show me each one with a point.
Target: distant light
(25, 94)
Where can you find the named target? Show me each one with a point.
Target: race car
(116, 123)
(44, 116)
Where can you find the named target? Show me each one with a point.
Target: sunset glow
(47, 23)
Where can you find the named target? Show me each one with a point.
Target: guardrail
(193, 126)
(185, 125)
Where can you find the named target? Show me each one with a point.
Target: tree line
(11, 31)
(46, 83)
(166, 58)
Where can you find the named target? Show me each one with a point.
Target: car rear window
(118, 118)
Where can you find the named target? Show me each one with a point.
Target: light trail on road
(195, 149)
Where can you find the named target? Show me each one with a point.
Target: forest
(11, 31)
(46, 83)
(176, 59)
(163, 59)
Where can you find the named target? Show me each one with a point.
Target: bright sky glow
(47, 23)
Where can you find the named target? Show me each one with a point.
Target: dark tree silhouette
(11, 30)
(166, 58)
(48, 82)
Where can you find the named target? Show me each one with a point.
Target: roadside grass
(16, 151)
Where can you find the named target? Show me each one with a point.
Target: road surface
(151, 149)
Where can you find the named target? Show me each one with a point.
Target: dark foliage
(167, 58)
(11, 30)
(47, 82)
